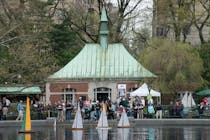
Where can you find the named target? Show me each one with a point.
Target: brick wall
(58, 87)
(55, 98)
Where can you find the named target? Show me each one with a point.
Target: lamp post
(149, 96)
(149, 88)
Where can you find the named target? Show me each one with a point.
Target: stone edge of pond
(113, 123)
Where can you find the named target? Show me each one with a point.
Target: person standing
(150, 110)
(92, 112)
(40, 110)
(159, 111)
(59, 109)
(69, 108)
(177, 106)
(98, 108)
(20, 110)
(140, 112)
(81, 103)
(171, 109)
(120, 110)
(200, 109)
(181, 109)
(1, 113)
(141, 107)
(4, 108)
(8, 102)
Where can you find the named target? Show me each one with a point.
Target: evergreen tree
(204, 51)
(64, 43)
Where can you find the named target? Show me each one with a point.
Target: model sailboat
(26, 124)
(78, 124)
(103, 122)
(124, 122)
(184, 100)
(190, 101)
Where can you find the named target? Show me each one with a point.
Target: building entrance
(102, 94)
(102, 97)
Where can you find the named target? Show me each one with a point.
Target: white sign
(121, 86)
(122, 89)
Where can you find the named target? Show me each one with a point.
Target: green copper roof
(103, 15)
(20, 90)
(94, 61)
(104, 29)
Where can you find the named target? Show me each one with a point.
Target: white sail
(190, 100)
(77, 135)
(77, 124)
(103, 134)
(124, 122)
(193, 102)
(123, 133)
(103, 122)
(184, 100)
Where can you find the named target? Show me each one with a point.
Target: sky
(145, 10)
(144, 20)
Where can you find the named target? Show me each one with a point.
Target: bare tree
(84, 18)
(126, 8)
(200, 14)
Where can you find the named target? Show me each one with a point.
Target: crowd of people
(176, 110)
(137, 107)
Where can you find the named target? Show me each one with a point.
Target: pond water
(137, 133)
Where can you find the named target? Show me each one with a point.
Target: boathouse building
(99, 71)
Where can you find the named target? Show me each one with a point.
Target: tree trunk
(177, 34)
(117, 32)
(201, 36)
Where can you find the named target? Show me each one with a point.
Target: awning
(203, 92)
(20, 90)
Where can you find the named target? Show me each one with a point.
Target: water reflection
(158, 134)
(123, 133)
(102, 134)
(60, 133)
(92, 133)
(188, 133)
(151, 132)
(24, 137)
(137, 133)
(67, 134)
(178, 133)
(77, 135)
(140, 132)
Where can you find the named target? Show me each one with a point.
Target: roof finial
(104, 28)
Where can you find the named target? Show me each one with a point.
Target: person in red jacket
(204, 101)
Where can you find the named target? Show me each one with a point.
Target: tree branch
(10, 30)
(135, 6)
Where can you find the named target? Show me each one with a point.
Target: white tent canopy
(144, 91)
